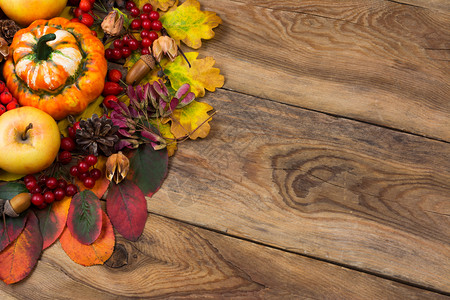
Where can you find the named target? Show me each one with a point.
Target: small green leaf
(126, 19)
(11, 189)
(148, 168)
(84, 219)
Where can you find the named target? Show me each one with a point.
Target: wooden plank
(441, 5)
(380, 62)
(337, 189)
(175, 260)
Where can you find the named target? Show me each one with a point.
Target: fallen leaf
(131, 60)
(14, 227)
(84, 219)
(164, 130)
(94, 254)
(6, 176)
(148, 168)
(10, 189)
(189, 24)
(20, 257)
(200, 76)
(163, 5)
(191, 120)
(52, 220)
(127, 208)
(101, 184)
(67, 13)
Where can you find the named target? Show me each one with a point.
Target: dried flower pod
(112, 24)
(165, 45)
(17, 204)
(117, 167)
(4, 49)
(141, 68)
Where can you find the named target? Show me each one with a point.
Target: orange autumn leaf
(52, 220)
(20, 257)
(94, 254)
(101, 185)
(191, 120)
(157, 4)
(189, 24)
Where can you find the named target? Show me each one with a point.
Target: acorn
(141, 68)
(18, 204)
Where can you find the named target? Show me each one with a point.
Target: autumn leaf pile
(85, 223)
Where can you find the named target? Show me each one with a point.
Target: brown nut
(18, 204)
(141, 68)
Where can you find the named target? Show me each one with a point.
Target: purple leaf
(133, 112)
(182, 90)
(161, 89)
(125, 132)
(122, 144)
(150, 135)
(186, 100)
(131, 93)
(173, 104)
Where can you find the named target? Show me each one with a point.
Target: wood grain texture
(376, 61)
(178, 261)
(332, 188)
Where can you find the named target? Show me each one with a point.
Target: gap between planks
(349, 267)
(336, 116)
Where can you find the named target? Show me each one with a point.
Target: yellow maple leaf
(200, 76)
(191, 121)
(164, 130)
(189, 24)
(163, 5)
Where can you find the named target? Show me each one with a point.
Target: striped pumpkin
(57, 66)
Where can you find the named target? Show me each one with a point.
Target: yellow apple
(29, 140)
(25, 12)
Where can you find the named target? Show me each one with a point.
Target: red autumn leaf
(94, 254)
(148, 168)
(85, 217)
(52, 220)
(14, 227)
(20, 257)
(101, 185)
(127, 209)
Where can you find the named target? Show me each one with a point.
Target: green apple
(29, 140)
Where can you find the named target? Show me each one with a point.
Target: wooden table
(326, 173)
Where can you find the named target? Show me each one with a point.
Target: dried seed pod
(165, 45)
(141, 68)
(18, 204)
(113, 23)
(117, 167)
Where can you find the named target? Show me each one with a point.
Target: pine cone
(8, 29)
(97, 134)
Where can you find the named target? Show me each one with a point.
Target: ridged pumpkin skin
(68, 80)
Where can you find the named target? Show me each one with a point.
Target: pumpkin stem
(43, 50)
(25, 133)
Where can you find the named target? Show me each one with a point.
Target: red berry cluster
(82, 172)
(83, 13)
(45, 190)
(148, 21)
(112, 88)
(7, 101)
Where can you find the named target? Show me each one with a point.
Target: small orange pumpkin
(57, 66)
